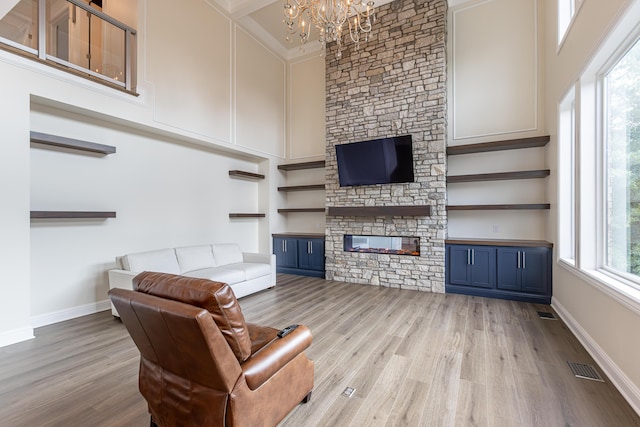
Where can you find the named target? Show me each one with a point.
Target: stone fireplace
(395, 84)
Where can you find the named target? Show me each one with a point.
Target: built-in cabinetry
(56, 142)
(251, 176)
(509, 269)
(299, 253)
(308, 187)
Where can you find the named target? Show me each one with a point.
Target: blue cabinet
(300, 255)
(471, 266)
(524, 269)
(499, 271)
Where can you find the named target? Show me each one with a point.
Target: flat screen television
(379, 161)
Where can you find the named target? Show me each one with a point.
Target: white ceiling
(263, 19)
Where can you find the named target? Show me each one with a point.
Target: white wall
(495, 93)
(168, 181)
(606, 322)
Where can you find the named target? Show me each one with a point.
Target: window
(567, 174)
(567, 9)
(621, 149)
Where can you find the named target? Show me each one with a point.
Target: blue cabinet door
(524, 269)
(311, 254)
(483, 266)
(458, 265)
(286, 251)
(509, 269)
(471, 266)
(535, 270)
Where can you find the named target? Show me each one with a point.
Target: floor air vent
(546, 315)
(587, 372)
(348, 392)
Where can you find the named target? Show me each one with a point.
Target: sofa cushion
(218, 274)
(162, 261)
(195, 258)
(226, 253)
(215, 297)
(251, 270)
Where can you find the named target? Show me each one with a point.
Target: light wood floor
(414, 359)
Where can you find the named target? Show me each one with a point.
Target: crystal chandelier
(329, 17)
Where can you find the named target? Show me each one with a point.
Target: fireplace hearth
(406, 245)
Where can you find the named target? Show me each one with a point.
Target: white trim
(15, 336)
(69, 313)
(616, 289)
(620, 380)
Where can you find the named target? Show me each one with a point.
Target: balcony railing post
(42, 29)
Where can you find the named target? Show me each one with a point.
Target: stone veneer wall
(395, 84)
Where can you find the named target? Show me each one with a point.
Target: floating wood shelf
(499, 242)
(76, 144)
(300, 166)
(71, 215)
(511, 144)
(380, 211)
(300, 210)
(246, 215)
(302, 187)
(498, 207)
(542, 173)
(244, 174)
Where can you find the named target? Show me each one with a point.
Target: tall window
(567, 9)
(567, 174)
(622, 165)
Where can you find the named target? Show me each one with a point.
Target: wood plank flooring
(415, 359)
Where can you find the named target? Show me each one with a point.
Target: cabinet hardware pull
(469, 256)
(524, 259)
(284, 246)
(473, 257)
(309, 247)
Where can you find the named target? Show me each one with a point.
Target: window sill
(612, 287)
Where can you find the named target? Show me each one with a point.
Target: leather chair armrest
(264, 363)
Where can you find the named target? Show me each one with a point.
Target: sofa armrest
(120, 279)
(264, 363)
(257, 258)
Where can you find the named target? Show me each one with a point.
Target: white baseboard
(70, 313)
(620, 380)
(15, 336)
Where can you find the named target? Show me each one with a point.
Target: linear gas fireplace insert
(404, 245)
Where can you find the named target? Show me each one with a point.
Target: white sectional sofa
(246, 273)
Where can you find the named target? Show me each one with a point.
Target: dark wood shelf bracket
(76, 144)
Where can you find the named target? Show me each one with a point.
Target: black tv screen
(379, 161)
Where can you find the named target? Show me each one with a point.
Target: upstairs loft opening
(73, 35)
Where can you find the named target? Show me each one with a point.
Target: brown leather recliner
(201, 364)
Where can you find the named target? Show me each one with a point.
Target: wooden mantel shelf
(71, 215)
(424, 210)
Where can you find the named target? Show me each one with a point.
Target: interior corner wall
(15, 290)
